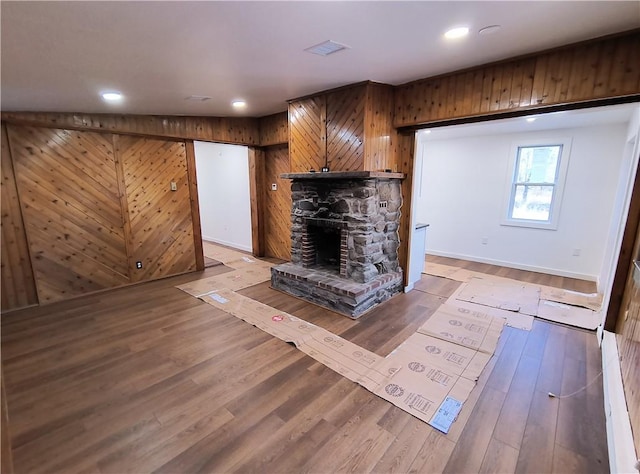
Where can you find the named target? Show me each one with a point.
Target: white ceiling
(545, 121)
(58, 56)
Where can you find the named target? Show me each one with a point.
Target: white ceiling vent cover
(198, 98)
(326, 48)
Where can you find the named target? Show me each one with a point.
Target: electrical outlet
(174, 186)
(138, 265)
(274, 186)
(576, 252)
(484, 240)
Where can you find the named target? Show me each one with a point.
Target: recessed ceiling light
(326, 48)
(531, 119)
(457, 32)
(488, 30)
(238, 104)
(111, 96)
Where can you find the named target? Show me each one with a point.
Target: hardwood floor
(150, 379)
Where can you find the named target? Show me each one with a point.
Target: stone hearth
(344, 240)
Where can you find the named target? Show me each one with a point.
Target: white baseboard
(622, 453)
(519, 266)
(234, 245)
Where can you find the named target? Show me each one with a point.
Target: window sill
(530, 224)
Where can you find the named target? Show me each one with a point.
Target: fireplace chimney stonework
(344, 240)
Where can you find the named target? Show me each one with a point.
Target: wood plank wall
(239, 131)
(71, 207)
(93, 204)
(587, 71)
(307, 134)
(346, 129)
(18, 285)
(628, 339)
(277, 209)
(381, 136)
(274, 129)
(159, 218)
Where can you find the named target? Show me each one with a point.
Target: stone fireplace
(344, 240)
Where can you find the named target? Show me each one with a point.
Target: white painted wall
(223, 190)
(620, 209)
(463, 188)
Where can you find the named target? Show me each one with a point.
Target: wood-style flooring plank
(147, 378)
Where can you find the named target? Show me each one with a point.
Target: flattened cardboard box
(477, 331)
(567, 314)
(233, 280)
(591, 301)
(421, 389)
(513, 318)
(511, 296)
(426, 376)
(452, 358)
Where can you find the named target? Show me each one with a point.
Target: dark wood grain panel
(160, 219)
(345, 129)
(16, 274)
(406, 150)
(628, 340)
(235, 130)
(70, 202)
(598, 69)
(256, 199)
(277, 208)
(195, 204)
(380, 135)
(307, 134)
(274, 129)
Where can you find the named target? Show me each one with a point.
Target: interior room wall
(463, 186)
(223, 191)
(628, 169)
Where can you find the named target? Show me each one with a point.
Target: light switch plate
(174, 186)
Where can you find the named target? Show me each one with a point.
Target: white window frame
(558, 191)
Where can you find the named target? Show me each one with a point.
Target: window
(537, 177)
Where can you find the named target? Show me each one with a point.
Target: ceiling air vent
(197, 98)
(326, 48)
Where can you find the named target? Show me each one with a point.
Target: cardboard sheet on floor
(513, 318)
(478, 331)
(247, 262)
(500, 293)
(425, 376)
(591, 301)
(345, 357)
(568, 314)
(223, 254)
(233, 280)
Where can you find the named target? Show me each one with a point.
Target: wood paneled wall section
(274, 129)
(346, 129)
(307, 134)
(159, 218)
(628, 339)
(240, 131)
(71, 207)
(381, 136)
(93, 204)
(18, 286)
(277, 222)
(256, 199)
(6, 456)
(598, 69)
(405, 160)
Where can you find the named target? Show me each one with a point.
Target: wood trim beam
(256, 196)
(195, 204)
